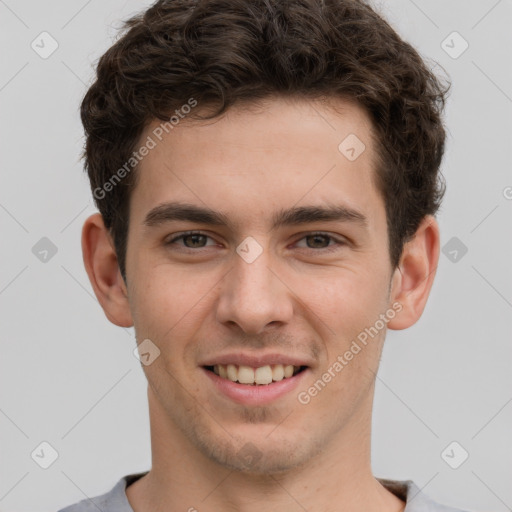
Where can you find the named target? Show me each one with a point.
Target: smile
(260, 376)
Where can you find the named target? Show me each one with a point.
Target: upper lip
(255, 361)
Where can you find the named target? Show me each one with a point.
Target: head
(252, 110)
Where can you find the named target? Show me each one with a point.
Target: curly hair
(223, 52)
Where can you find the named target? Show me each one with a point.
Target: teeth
(245, 375)
(222, 370)
(232, 372)
(288, 370)
(262, 375)
(277, 372)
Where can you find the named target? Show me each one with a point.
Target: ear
(101, 264)
(413, 278)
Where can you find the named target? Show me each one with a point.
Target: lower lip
(255, 395)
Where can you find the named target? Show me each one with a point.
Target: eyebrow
(172, 211)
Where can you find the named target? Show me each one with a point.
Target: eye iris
(322, 238)
(195, 237)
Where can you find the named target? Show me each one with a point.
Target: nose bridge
(253, 276)
(252, 296)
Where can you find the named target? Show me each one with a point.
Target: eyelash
(338, 241)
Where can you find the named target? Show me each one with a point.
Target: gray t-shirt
(116, 500)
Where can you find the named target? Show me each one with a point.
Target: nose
(254, 296)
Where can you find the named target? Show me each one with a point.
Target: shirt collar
(406, 490)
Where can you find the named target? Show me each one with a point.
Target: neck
(337, 478)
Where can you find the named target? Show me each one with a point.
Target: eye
(191, 240)
(322, 241)
(316, 241)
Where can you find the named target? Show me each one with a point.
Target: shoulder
(114, 500)
(415, 499)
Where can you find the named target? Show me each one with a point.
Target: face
(286, 266)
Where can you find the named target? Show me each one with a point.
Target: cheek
(341, 308)
(166, 302)
(343, 299)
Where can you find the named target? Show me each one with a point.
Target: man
(267, 178)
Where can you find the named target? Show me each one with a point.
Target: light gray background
(69, 377)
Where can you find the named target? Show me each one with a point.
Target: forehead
(260, 157)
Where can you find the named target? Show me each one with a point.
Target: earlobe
(102, 267)
(414, 277)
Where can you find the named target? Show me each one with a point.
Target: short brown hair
(220, 52)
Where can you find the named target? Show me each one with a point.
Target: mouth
(260, 376)
(262, 383)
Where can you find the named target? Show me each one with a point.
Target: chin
(259, 453)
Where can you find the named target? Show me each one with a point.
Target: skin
(296, 298)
